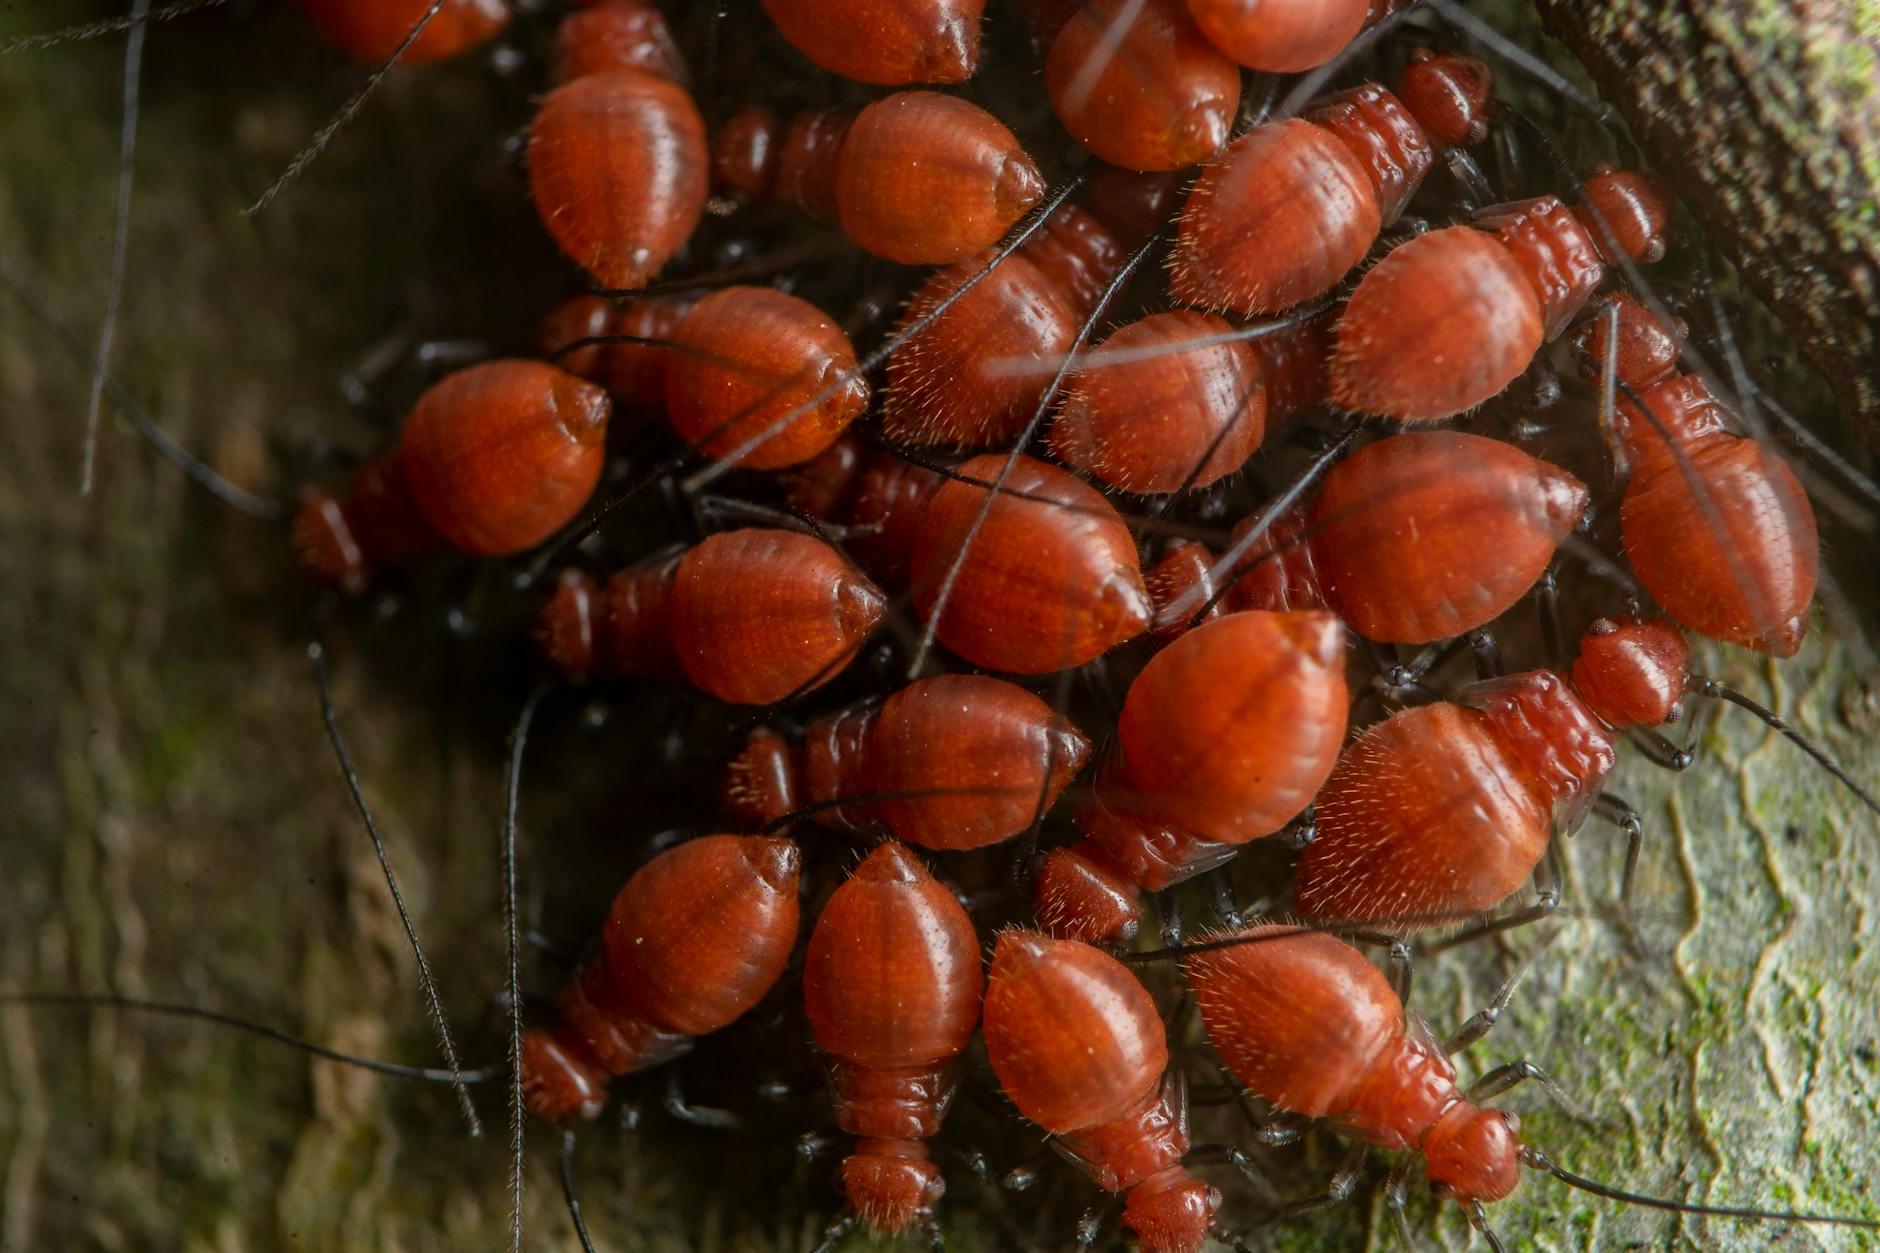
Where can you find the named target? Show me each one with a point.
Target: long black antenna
(433, 1004)
(107, 26)
(1702, 686)
(833, 1234)
(1344, 928)
(932, 626)
(1223, 572)
(1033, 222)
(518, 739)
(1819, 448)
(1521, 59)
(176, 1009)
(1027, 364)
(120, 236)
(1311, 84)
(1531, 1156)
(347, 112)
(1707, 505)
(1077, 93)
(262, 508)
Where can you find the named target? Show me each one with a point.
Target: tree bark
(1766, 114)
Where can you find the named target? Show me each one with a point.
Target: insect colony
(1021, 646)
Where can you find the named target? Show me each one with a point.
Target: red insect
(889, 42)
(879, 497)
(696, 938)
(618, 166)
(1444, 810)
(942, 386)
(915, 177)
(617, 35)
(892, 986)
(1312, 1028)
(750, 616)
(761, 377)
(1078, 1046)
(955, 762)
(1716, 526)
(371, 30)
(1280, 36)
(1049, 581)
(1393, 542)
(1292, 207)
(1224, 738)
(1449, 319)
(492, 460)
(633, 374)
(1180, 406)
(1136, 83)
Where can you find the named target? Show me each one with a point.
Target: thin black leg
(1019, 1179)
(698, 1115)
(1385, 659)
(1301, 831)
(1506, 1078)
(1660, 751)
(1169, 902)
(1469, 174)
(1404, 695)
(1273, 1132)
(1547, 600)
(438, 357)
(1478, 1219)
(1337, 1192)
(812, 1145)
(1546, 900)
(1539, 386)
(1221, 887)
(1402, 961)
(981, 1168)
(833, 1234)
(1483, 1020)
(1614, 809)
(1230, 1155)
(360, 382)
(1396, 1196)
(1284, 1130)
(1487, 654)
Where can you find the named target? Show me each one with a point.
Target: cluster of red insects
(998, 497)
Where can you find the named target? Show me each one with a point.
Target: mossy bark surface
(175, 826)
(1766, 113)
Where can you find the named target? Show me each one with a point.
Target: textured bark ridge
(1766, 113)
